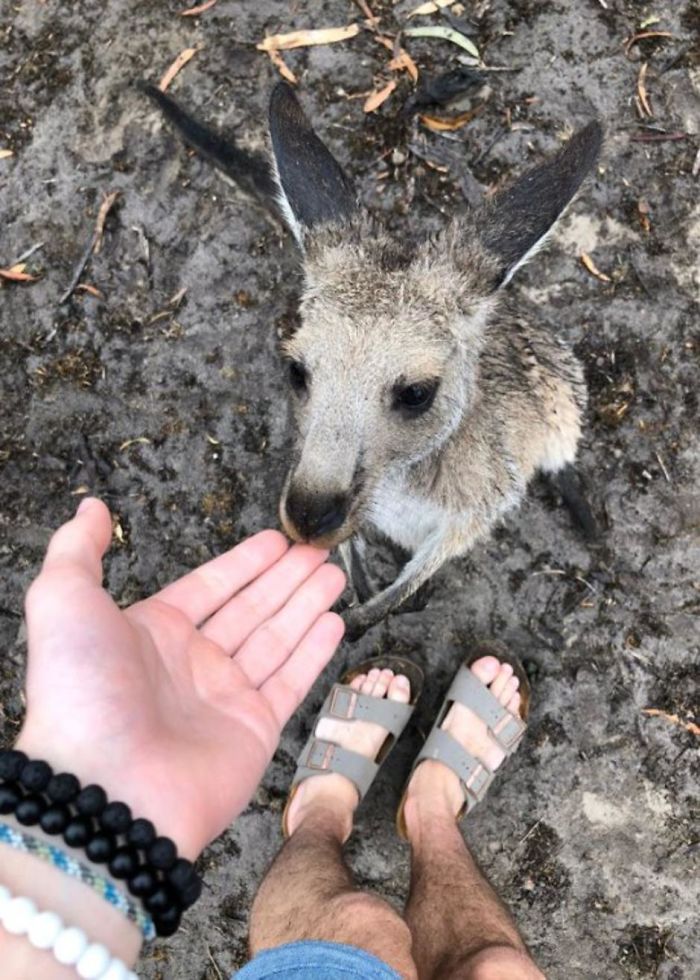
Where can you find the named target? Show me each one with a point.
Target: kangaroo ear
(313, 188)
(515, 224)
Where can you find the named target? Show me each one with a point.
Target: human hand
(174, 705)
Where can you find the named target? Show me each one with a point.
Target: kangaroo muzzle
(315, 517)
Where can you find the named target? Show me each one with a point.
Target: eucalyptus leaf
(447, 34)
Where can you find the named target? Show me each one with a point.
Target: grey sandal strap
(346, 704)
(321, 757)
(503, 726)
(475, 777)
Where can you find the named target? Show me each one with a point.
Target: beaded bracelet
(58, 858)
(165, 883)
(69, 945)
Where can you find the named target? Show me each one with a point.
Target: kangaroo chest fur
(404, 516)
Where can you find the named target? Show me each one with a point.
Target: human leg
(461, 929)
(308, 892)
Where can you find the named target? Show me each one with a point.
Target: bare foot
(334, 792)
(434, 789)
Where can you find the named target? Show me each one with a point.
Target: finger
(233, 624)
(77, 548)
(201, 592)
(288, 686)
(271, 644)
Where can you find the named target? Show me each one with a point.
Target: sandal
(343, 703)
(504, 728)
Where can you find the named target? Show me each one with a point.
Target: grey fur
(510, 399)
(377, 314)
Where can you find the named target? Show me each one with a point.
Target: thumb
(79, 546)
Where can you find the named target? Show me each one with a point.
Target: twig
(641, 36)
(657, 137)
(695, 170)
(530, 831)
(673, 719)
(105, 208)
(200, 9)
(30, 251)
(372, 19)
(663, 467)
(93, 245)
(177, 65)
(487, 149)
(215, 964)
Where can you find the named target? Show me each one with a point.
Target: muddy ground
(179, 420)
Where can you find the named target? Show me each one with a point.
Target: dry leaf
(674, 719)
(642, 91)
(429, 8)
(5, 154)
(194, 11)
(86, 287)
(404, 62)
(438, 125)
(105, 208)
(178, 64)
(304, 39)
(593, 268)
(379, 96)
(282, 67)
(117, 530)
(138, 441)
(16, 273)
(445, 34)
(642, 36)
(371, 19)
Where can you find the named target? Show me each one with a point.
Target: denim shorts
(315, 960)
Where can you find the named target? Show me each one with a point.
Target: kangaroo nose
(314, 515)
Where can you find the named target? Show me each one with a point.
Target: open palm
(174, 705)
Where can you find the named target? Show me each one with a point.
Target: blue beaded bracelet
(106, 889)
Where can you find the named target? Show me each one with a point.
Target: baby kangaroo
(423, 405)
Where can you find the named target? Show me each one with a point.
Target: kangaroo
(423, 405)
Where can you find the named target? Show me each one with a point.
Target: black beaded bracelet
(165, 883)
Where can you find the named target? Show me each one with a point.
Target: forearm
(77, 905)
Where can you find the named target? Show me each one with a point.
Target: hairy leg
(308, 892)
(461, 929)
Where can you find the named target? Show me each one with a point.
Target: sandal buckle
(509, 734)
(478, 782)
(342, 704)
(320, 754)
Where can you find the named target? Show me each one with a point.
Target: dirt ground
(179, 420)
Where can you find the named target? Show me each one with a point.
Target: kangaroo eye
(298, 376)
(416, 398)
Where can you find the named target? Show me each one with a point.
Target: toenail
(402, 680)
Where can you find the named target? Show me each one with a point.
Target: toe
(357, 682)
(381, 685)
(399, 689)
(514, 705)
(370, 680)
(504, 675)
(486, 669)
(509, 689)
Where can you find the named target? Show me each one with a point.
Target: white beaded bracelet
(69, 945)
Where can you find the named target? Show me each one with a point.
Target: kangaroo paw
(570, 485)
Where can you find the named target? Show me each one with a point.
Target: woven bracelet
(149, 865)
(20, 841)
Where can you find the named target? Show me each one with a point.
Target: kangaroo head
(385, 362)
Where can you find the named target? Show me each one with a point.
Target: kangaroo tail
(250, 171)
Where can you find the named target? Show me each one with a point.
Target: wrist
(143, 797)
(75, 903)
